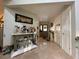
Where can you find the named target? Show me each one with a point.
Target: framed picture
(23, 19)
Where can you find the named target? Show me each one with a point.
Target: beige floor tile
(45, 50)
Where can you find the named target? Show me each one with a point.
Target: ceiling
(44, 11)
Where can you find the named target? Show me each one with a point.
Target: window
(44, 27)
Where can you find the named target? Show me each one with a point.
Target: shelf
(23, 33)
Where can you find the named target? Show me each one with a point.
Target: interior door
(66, 31)
(44, 31)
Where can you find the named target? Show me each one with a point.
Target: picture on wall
(23, 19)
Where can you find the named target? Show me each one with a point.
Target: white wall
(9, 23)
(77, 24)
(73, 28)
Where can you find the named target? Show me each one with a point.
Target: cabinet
(16, 36)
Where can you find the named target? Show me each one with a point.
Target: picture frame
(23, 19)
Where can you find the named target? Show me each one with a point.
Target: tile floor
(45, 50)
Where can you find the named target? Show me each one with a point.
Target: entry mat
(22, 50)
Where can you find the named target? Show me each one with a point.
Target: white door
(66, 30)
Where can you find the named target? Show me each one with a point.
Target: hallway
(45, 50)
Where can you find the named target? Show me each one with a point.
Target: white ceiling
(44, 11)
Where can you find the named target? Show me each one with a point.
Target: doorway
(44, 30)
(66, 30)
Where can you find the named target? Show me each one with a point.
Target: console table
(17, 36)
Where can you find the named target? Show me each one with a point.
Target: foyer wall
(9, 24)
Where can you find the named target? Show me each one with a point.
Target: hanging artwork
(23, 19)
